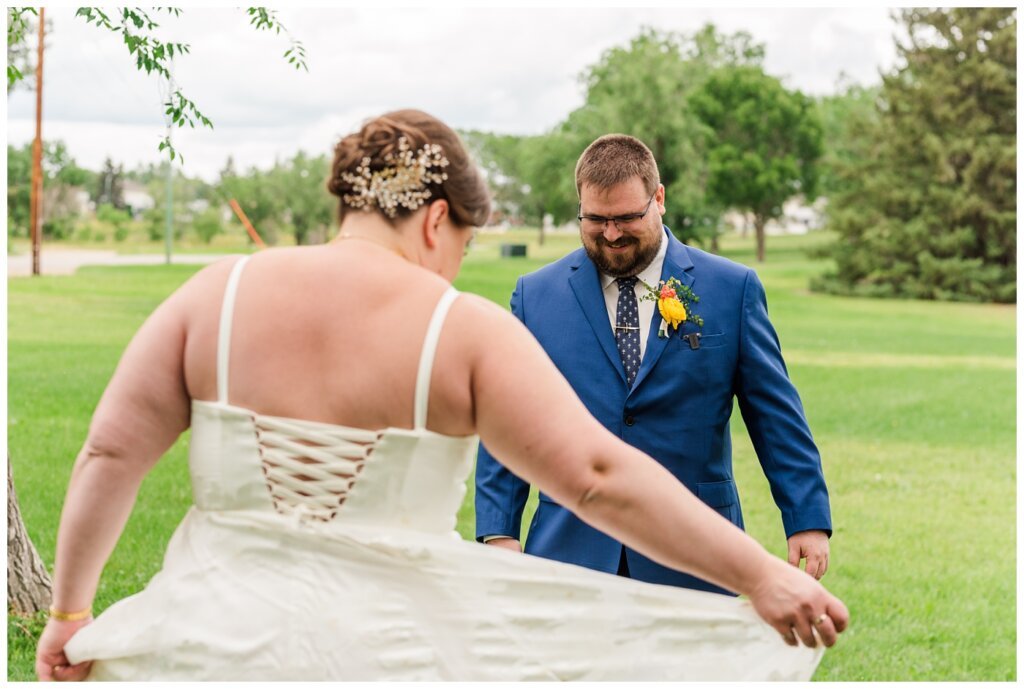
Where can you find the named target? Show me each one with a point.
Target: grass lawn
(912, 405)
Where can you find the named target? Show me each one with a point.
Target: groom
(669, 396)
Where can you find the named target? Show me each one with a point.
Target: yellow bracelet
(69, 616)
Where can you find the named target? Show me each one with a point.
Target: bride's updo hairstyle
(403, 160)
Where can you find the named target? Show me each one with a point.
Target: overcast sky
(503, 70)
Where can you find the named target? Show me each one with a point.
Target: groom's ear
(437, 212)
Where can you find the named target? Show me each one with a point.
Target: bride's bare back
(330, 333)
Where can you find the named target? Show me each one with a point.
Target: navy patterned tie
(627, 328)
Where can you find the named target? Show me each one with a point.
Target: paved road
(67, 261)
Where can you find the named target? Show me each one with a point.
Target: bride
(334, 395)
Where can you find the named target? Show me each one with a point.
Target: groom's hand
(507, 543)
(812, 546)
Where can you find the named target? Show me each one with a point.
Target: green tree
(188, 195)
(258, 197)
(548, 168)
(529, 176)
(645, 90)
(307, 208)
(207, 225)
(110, 185)
(154, 220)
(289, 197)
(19, 180)
(929, 211)
(641, 89)
(62, 178)
(501, 158)
(764, 143)
(847, 117)
(116, 218)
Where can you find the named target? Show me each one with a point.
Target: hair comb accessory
(402, 182)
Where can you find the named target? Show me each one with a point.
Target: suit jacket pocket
(718, 493)
(706, 341)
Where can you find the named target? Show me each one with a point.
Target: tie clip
(627, 327)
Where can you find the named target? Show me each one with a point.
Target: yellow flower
(673, 311)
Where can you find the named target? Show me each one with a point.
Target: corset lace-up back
(310, 470)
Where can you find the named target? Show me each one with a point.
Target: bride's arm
(531, 419)
(143, 410)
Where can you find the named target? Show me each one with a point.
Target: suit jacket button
(629, 420)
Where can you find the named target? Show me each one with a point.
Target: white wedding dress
(317, 552)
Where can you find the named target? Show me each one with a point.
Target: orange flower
(672, 310)
(667, 293)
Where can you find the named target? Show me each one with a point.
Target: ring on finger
(820, 619)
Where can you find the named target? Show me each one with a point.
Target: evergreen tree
(846, 117)
(928, 210)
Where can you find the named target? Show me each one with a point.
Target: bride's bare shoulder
(484, 324)
(208, 284)
(211, 275)
(471, 306)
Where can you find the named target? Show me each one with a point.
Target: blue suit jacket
(677, 410)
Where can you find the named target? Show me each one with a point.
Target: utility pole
(36, 191)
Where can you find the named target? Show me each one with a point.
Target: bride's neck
(375, 230)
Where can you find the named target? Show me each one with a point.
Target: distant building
(797, 218)
(197, 206)
(137, 198)
(81, 202)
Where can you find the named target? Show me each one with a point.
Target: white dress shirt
(646, 309)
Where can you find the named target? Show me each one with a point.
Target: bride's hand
(51, 663)
(506, 543)
(796, 605)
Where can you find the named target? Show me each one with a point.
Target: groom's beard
(643, 249)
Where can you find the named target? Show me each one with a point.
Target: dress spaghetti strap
(427, 356)
(227, 312)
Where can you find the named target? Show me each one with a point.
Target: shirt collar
(652, 273)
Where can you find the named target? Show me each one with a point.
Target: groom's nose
(611, 232)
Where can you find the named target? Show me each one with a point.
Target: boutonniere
(675, 304)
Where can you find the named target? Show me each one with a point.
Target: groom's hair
(614, 159)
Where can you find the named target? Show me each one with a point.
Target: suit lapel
(586, 284)
(677, 264)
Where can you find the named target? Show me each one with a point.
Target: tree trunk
(714, 243)
(28, 582)
(759, 223)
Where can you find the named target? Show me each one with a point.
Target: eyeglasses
(596, 223)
